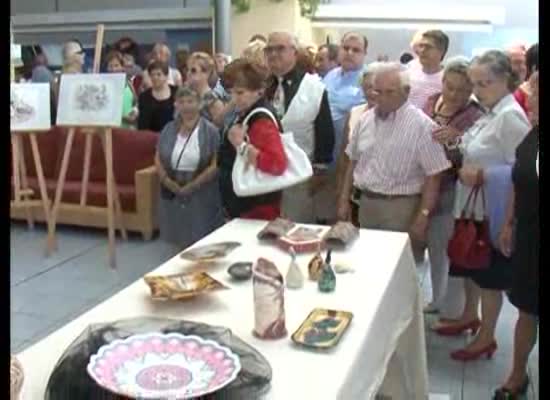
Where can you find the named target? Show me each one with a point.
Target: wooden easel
(113, 200)
(22, 193)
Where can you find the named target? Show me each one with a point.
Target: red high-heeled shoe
(459, 329)
(467, 355)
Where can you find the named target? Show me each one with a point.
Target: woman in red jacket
(246, 81)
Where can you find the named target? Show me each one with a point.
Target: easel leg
(59, 191)
(110, 195)
(15, 168)
(118, 207)
(41, 182)
(25, 184)
(86, 172)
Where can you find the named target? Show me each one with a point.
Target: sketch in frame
(91, 100)
(30, 107)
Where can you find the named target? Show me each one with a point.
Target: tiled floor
(46, 293)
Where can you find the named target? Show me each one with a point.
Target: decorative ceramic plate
(302, 239)
(210, 251)
(322, 329)
(181, 286)
(163, 366)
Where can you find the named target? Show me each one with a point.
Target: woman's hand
(236, 135)
(471, 175)
(171, 185)
(252, 154)
(445, 134)
(505, 239)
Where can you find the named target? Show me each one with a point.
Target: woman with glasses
(201, 67)
(488, 147)
(190, 206)
(156, 105)
(115, 64)
(455, 112)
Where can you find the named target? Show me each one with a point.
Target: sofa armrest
(147, 192)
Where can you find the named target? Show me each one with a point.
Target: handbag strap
(257, 111)
(468, 201)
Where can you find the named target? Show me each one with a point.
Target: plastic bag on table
(69, 379)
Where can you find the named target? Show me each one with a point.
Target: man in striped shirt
(396, 165)
(426, 76)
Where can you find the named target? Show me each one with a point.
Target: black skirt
(499, 275)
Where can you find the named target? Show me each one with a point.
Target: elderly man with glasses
(301, 102)
(395, 164)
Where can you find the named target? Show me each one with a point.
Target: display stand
(113, 200)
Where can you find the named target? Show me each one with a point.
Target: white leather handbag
(250, 181)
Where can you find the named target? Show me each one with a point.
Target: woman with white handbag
(253, 139)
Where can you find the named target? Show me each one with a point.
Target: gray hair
(187, 91)
(499, 64)
(291, 37)
(458, 65)
(386, 67)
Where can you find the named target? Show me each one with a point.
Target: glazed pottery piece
(163, 366)
(322, 329)
(315, 266)
(327, 280)
(210, 251)
(181, 286)
(343, 268)
(269, 301)
(240, 271)
(294, 276)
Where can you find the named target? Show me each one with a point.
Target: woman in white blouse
(190, 204)
(488, 145)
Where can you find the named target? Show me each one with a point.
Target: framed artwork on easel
(30, 107)
(91, 100)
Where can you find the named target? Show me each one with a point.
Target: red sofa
(135, 174)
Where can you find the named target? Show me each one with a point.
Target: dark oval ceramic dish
(240, 271)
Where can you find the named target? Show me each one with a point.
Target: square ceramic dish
(322, 329)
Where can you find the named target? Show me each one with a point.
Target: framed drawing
(30, 107)
(91, 100)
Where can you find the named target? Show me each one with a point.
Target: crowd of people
(394, 145)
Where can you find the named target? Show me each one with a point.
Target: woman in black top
(523, 218)
(156, 105)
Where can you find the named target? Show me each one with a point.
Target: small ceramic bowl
(240, 271)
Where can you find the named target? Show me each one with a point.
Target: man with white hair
(395, 163)
(162, 53)
(74, 52)
(301, 101)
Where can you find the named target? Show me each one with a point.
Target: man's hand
(343, 212)
(471, 175)
(419, 228)
(445, 134)
(505, 239)
(236, 135)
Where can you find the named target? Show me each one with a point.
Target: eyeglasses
(195, 70)
(275, 49)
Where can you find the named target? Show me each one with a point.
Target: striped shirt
(423, 85)
(394, 156)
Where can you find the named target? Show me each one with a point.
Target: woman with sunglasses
(189, 206)
(246, 81)
(201, 70)
(455, 112)
(488, 146)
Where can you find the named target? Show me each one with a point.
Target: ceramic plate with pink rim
(163, 366)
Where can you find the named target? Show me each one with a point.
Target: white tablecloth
(384, 340)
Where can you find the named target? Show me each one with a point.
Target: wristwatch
(425, 212)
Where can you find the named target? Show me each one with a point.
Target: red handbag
(470, 245)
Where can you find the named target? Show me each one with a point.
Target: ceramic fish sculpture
(269, 302)
(315, 266)
(294, 276)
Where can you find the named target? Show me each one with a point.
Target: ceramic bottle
(327, 280)
(269, 301)
(294, 276)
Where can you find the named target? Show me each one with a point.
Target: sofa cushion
(97, 193)
(132, 150)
